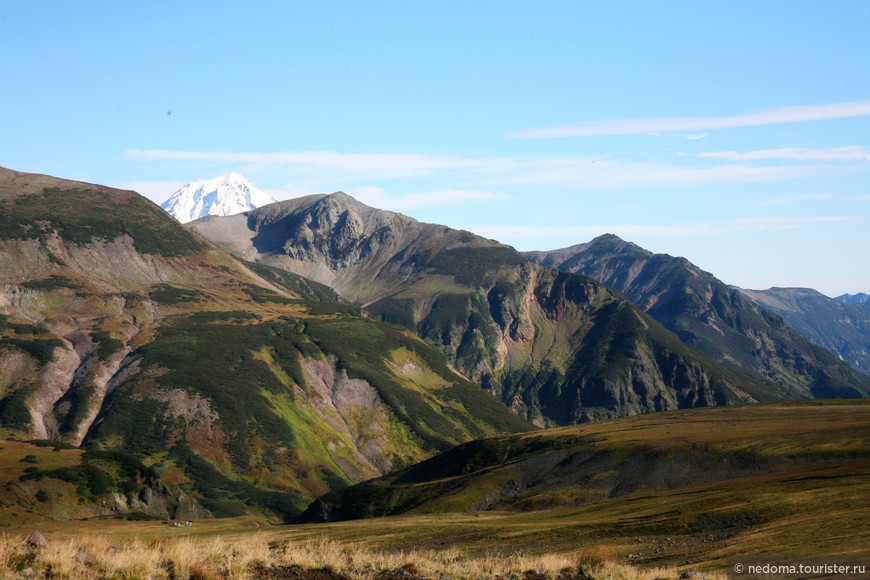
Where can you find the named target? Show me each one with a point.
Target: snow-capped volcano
(224, 195)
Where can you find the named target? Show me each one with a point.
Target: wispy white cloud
(580, 232)
(788, 199)
(327, 171)
(688, 136)
(780, 115)
(850, 153)
(378, 197)
(370, 164)
(789, 222)
(609, 173)
(748, 224)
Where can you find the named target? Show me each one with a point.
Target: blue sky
(736, 134)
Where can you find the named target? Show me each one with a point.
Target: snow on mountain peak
(224, 195)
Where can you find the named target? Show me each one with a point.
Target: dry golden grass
(212, 557)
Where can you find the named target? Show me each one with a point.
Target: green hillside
(649, 455)
(241, 385)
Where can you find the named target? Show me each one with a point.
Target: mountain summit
(225, 195)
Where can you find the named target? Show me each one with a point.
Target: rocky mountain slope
(123, 330)
(223, 195)
(556, 347)
(839, 326)
(708, 315)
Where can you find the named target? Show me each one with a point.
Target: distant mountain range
(224, 195)
(841, 327)
(852, 299)
(710, 316)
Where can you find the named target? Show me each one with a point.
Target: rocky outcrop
(354, 408)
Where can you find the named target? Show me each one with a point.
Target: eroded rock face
(56, 379)
(64, 394)
(98, 379)
(194, 411)
(353, 407)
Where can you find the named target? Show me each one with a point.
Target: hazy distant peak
(609, 243)
(853, 299)
(223, 195)
(614, 241)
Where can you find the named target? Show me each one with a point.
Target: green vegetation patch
(334, 309)
(139, 422)
(100, 473)
(91, 482)
(28, 339)
(40, 346)
(51, 283)
(474, 266)
(226, 497)
(244, 379)
(395, 311)
(14, 409)
(78, 400)
(106, 344)
(635, 458)
(80, 215)
(41, 349)
(463, 411)
(262, 295)
(168, 294)
(51, 443)
(218, 358)
(191, 351)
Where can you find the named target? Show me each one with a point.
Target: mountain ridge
(555, 347)
(841, 327)
(710, 316)
(853, 299)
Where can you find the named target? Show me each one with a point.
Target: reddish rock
(37, 540)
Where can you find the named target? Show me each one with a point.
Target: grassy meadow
(811, 513)
(248, 548)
